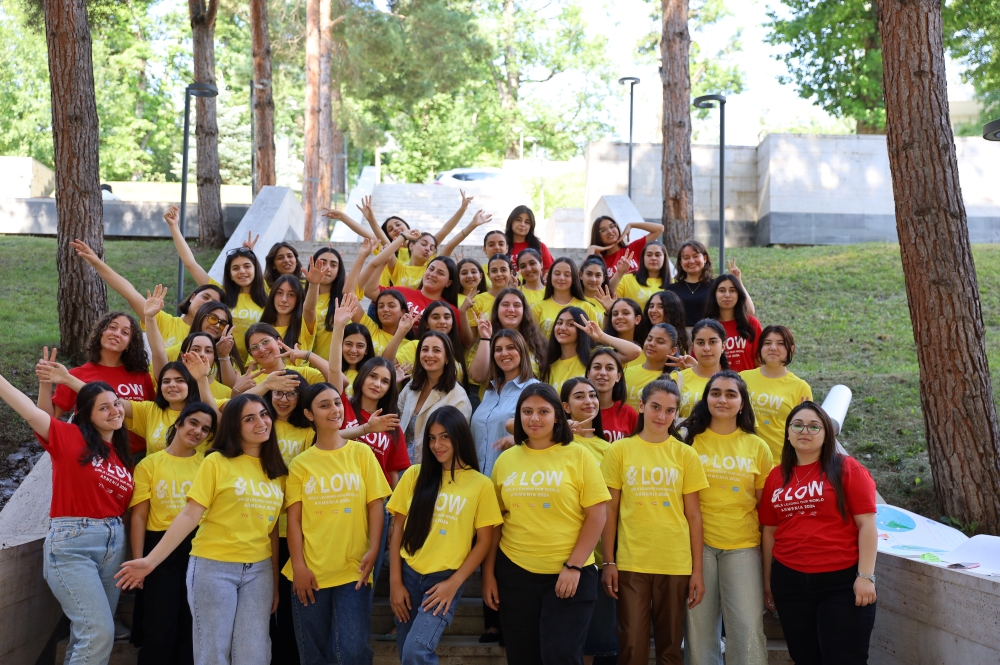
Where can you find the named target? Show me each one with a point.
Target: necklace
(801, 481)
(695, 289)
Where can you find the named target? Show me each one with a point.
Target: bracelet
(484, 339)
(364, 429)
(609, 563)
(226, 358)
(578, 569)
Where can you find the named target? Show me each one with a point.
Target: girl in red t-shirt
(729, 305)
(605, 371)
(610, 243)
(520, 232)
(91, 489)
(819, 543)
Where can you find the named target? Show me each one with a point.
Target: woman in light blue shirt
(509, 373)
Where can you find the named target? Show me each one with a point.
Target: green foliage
(834, 57)
(972, 35)
(968, 528)
(26, 121)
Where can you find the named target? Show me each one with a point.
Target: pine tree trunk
(510, 85)
(210, 230)
(310, 175)
(83, 298)
(263, 107)
(326, 156)
(963, 436)
(678, 188)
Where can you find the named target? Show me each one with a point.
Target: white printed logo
(453, 503)
(161, 489)
(310, 485)
(241, 486)
(631, 476)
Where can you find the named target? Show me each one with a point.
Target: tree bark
(963, 436)
(83, 298)
(263, 107)
(310, 175)
(678, 188)
(326, 156)
(511, 83)
(210, 229)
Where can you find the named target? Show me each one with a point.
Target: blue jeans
(336, 628)
(417, 639)
(82, 555)
(380, 558)
(231, 610)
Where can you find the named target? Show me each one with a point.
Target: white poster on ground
(903, 533)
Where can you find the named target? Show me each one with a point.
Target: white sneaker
(121, 632)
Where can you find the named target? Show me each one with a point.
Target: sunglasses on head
(241, 251)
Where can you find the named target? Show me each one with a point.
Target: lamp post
(991, 132)
(631, 106)
(705, 102)
(193, 90)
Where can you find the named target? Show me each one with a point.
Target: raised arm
(369, 215)
(314, 277)
(353, 277)
(44, 385)
(404, 326)
(370, 273)
(187, 256)
(121, 285)
(622, 267)
(738, 274)
(198, 368)
(479, 370)
(627, 351)
(341, 317)
(479, 219)
(453, 221)
(37, 419)
(345, 219)
(153, 305)
(652, 229)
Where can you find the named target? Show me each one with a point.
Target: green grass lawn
(846, 306)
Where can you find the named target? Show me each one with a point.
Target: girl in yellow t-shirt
(553, 499)
(291, 311)
(270, 354)
(281, 259)
(356, 349)
(622, 321)
(736, 462)
(654, 480)
(334, 504)
(660, 353)
(511, 311)
(390, 307)
(573, 337)
(242, 280)
(178, 385)
(531, 275)
(439, 506)
(774, 391)
(329, 291)
(472, 278)
(709, 356)
(562, 289)
(665, 307)
(161, 484)
(596, 291)
(653, 273)
(239, 491)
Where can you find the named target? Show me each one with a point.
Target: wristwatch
(867, 577)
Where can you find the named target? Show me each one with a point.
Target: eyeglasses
(279, 395)
(798, 428)
(264, 342)
(214, 320)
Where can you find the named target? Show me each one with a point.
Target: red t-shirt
(547, 259)
(133, 386)
(390, 451)
(417, 302)
(740, 353)
(636, 247)
(98, 489)
(812, 536)
(618, 421)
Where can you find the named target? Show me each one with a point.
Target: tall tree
(310, 174)
(210, 228)
(678, 186)
(324, 192)
(963, 435)
(263, 106)
(82, 295)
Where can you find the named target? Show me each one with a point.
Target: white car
(463, 176)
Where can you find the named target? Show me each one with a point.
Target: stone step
(123, 653)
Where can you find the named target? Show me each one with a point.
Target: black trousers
(822, 624)
(539, 627)
(284, 648)
(161, 624)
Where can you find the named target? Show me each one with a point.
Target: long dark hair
(449, 377)
(263, 329)
(642, 274)
(270, 314)
(429, 479)
(495, 375)
(385, 228)
(358, 329)
(188, 411)
(595, 234)
(561, 433)
(553, 354)
(670, 332)
(831, 462)
(257, 291)
(97, 447)
(594, 260)
(575, 290)
(389, 402)
(567, 390)
(398, 297)
(673, 313)
(531, 239)
(741, 311)
(336, 286)
(185, 306)
(619, 393)
(134, 357)
(529, 329)
(719, 330)
(186, 347)
(227, 439)
(194, 393)
(296, 418)
(706, 271)
(271, 273)
(658, 386)
(636, 310)
(450, 293)
(453, 336)
(482, 278)
(199, 320)
(701, 418)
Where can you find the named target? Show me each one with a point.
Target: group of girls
(605, 444)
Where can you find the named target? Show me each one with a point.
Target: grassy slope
(846, 306)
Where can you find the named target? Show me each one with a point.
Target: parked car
(460, 177)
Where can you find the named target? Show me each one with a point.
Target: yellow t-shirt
(628, 287)
(243, 506)
(547, 310)
(636, 378)
(641, 360)
(692, 388)
(406, 275)
(292, 440)
(653, 533)
(172, 329)
(151, 423)
(463, 505)
(531, 295)
(481, 304)
(220, 391)
(402, 256)
(164, 481)
(306, 339)
(335, 488)
(310, 374)
(245, 314)
(565, 369)
(736, 466)
(595, 444)
(598, 310)
(380, 339)
(544, 493)
(772, 401)
(351, 374)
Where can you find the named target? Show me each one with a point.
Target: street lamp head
(202, 90)
(991, 132)
(705, 101)
(628, 79)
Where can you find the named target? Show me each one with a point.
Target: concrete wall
(25, 177)
(934, 616)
